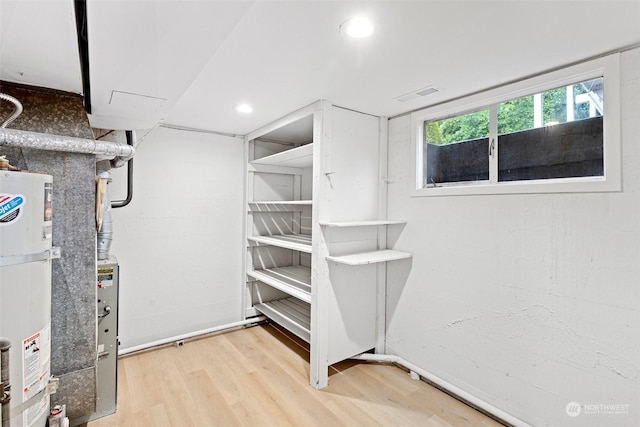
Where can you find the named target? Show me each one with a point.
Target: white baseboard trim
(194, 334)
(457, 392)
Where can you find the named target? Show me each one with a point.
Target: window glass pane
(555, 134)
(456, 149)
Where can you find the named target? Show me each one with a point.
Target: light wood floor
(258, 377)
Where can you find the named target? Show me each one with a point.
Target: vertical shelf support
(319, 366)
(381, 273)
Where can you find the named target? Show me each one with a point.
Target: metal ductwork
(41, 141)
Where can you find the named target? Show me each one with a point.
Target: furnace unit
(106, 384)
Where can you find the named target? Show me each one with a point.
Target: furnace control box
(107, 379)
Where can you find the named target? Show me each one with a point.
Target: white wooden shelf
(361, 223)
(283, 202)
(294, 280)
(370, 257)
(352, 143)
(299, 157)
(297, 242)
(291, 313)
(278, 206)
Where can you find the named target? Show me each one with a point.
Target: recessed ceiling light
(244, 108)
(357, 27)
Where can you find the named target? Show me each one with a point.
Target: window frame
(607, 67)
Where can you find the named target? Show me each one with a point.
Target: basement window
(455, 149)
(546, 134)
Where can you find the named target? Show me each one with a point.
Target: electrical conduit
(249, 321)
(17, 109)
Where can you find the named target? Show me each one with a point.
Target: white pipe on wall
(42, 141)
(445, 385)
(191, 335)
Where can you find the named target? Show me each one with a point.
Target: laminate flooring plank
(212, 408)
(252, 389)
(388, 374)
(141, 382)
(449, 408)
(371, 396)
(259, 376)
(297, 364)
(430, 399)
(150, 417)
(174, 388)
(202, 354)
(288, 385)
(308, 411)
(436, 421)
(261, 408)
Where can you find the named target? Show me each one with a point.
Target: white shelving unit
(278, 223)
(299, 157)
(283, 202)
(313, 183)
(291, 313)
(294, 280)
(368, 257)
(372, 257)
(361, 223)
(297, 242)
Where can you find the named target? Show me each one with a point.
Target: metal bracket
(52, 386)
(56, 252)
(53, 253)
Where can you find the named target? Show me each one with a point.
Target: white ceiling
(189, 63)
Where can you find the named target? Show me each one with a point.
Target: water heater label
(36, 360)
(48, 201)
(10, 205)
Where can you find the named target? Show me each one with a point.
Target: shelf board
(282, 202)
(370, 257)
(278, 206)
(299, 157)
(291, 313)
(294, 280)
(297, 242)
(361, 223)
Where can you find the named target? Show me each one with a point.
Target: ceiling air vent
(417, 94)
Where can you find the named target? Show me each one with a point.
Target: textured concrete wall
(527, 301)
(73, 323)
(159, 248)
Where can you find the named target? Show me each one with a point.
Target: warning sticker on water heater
(48, 199)
(10, 208)
(36, 360)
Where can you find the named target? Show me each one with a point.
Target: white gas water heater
(25, 297)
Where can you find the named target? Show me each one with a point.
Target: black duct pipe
(83, 50)
(125, 202)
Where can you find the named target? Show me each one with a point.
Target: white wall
(179, 242)
(529, 302)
